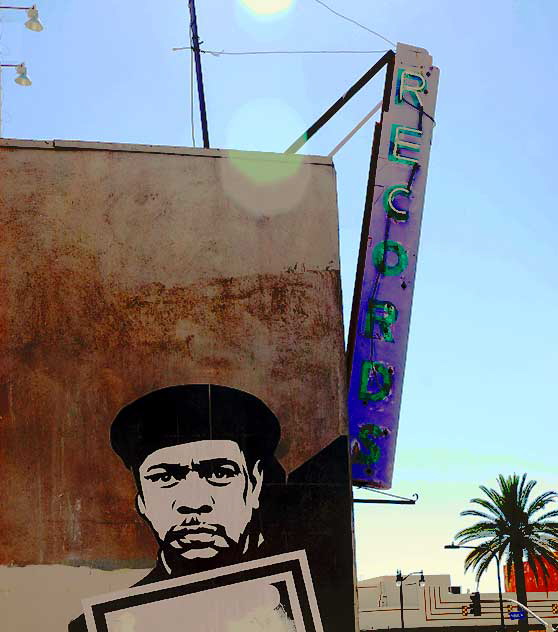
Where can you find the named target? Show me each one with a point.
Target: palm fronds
(512, 527)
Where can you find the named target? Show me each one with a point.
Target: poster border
(294, 564)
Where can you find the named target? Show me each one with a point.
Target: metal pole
(199, 76)
(500, 595)
(401, 603)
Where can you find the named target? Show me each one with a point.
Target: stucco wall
(128, 268)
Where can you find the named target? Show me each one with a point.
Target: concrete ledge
(164, 149)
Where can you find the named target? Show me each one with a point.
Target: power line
(355, 22)
(290, 52)
(218, 53)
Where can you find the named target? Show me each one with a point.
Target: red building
(531, 584)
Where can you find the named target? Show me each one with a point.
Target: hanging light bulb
(22, 79)
(33, 23)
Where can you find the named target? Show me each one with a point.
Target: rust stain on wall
(78, 340)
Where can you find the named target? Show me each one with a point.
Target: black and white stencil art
(273, 594)
(227, 520)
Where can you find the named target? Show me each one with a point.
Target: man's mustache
(193, 527)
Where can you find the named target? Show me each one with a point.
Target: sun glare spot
(267, 7)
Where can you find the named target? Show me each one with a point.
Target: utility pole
(197, 58)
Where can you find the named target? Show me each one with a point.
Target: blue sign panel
(515, 615)
(387, 263)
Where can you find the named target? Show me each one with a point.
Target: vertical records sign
(387, 263)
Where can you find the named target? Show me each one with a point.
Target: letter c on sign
(392, 211)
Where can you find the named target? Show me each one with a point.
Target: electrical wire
(421, 112)
(292, 52)
(379, 272)
(218, 53)
(355, 22)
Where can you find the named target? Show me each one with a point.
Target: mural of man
(203, 460)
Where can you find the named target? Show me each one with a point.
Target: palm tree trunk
(517, 557)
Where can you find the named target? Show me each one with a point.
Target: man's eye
(164, 477)
(221, 474)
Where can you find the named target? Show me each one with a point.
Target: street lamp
(22, 79)
(399, 580)
(461, 546)
(33, 23)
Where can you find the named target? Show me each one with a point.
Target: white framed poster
(274, 594)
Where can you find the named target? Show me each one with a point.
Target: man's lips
(195, 534)
(193, 529)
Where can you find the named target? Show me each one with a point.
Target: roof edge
(161, 149)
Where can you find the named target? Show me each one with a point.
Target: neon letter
(404, 86)
(389, 207)
(379, 257)
(396, 143)
(385, 314)
(378, 376)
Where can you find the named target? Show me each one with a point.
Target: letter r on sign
(385, 314)
(404, 78)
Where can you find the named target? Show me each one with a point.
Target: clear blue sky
(480, 385)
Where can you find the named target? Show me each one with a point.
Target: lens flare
(272, 168)
(257, 180)
(262, 183)
(266, 125)
(267, 7)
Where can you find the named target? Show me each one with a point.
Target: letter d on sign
(380, 253)
(375, 376)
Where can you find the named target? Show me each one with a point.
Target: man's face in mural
(199, 497)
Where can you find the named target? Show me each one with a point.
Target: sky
(480, 381)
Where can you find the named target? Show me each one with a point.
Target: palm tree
(509, 527)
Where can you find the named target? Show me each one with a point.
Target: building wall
(434, 606)
(124, 269)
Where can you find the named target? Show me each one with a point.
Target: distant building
(531, 583)
(440, 605)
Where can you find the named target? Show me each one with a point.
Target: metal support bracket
(324, 118)
(400, 500)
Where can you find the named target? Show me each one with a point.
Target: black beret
(194, 412)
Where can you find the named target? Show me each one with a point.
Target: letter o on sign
(379, 257)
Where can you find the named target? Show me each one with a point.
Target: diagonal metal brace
(324, 118)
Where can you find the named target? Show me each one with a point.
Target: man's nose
(193, 495)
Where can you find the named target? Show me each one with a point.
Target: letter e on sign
(397, 143)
